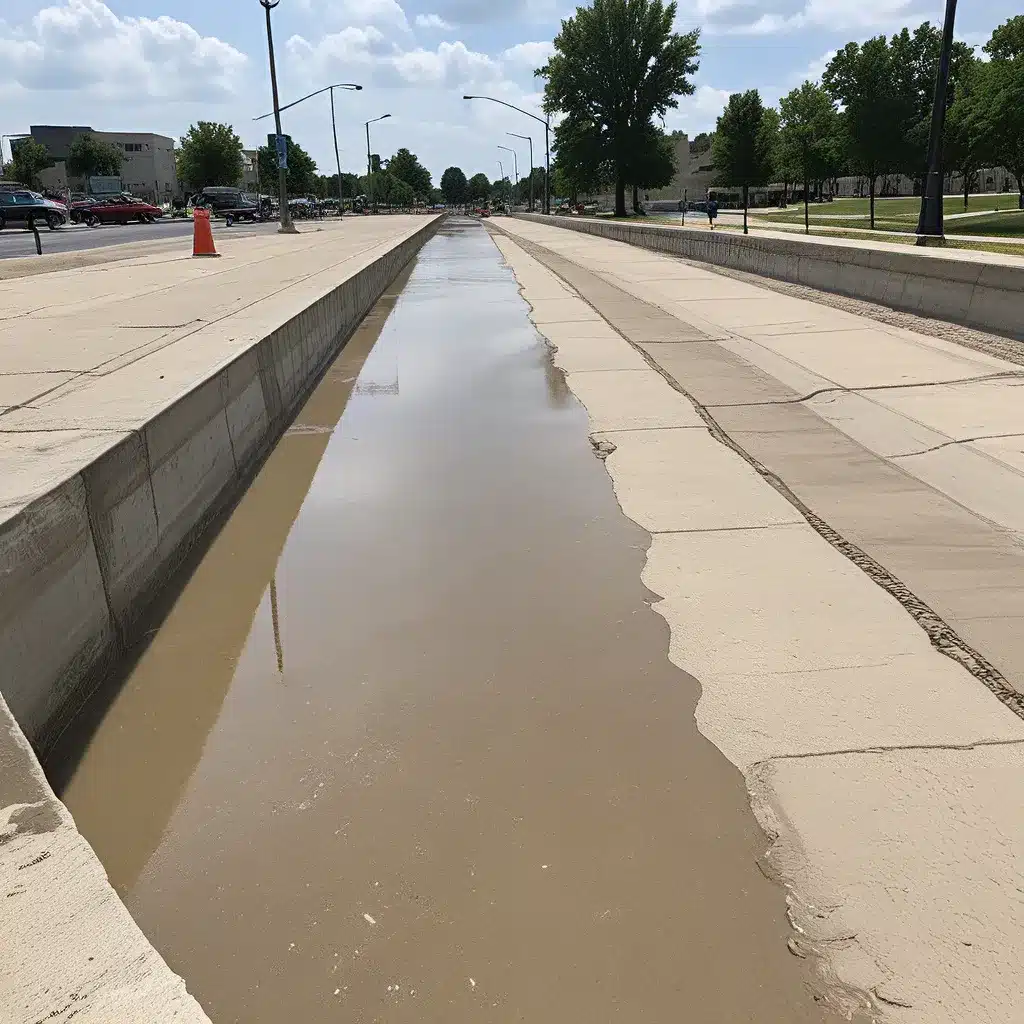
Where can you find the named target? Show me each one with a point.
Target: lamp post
(287, 227)
(369, 160)
(334, 125)
(930, 222)
(547, 142)
(526, 138)
(515, 165)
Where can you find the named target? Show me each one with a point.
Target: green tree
(653, 165)
(879, 110)
(1007, 41)
(211, 154)
(89, 156)
(808, 137)
(301, 175)
(501, 191)
(580, 158)
(1000, 106)
(406, 167)
(744, 145)
(617, 65)
(966, 144)
(455, 187)
(479, 188)
(28, 158)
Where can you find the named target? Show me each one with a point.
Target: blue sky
(159, 65)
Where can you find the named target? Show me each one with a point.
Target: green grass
(1006, 249)
(1009, 222)
(905, 208)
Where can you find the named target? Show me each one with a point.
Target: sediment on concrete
(982, 295)
(82, 564)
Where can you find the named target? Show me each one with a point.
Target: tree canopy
(405, 166)
(479, 188)
(455, 187)
(616, 66)
(211, 154)
(810, 142)
(89, 156)
(301, 175)
(28, 158)
(744, 146)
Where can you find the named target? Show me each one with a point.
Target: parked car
(230, 203)
(117, 210)
(26, 208)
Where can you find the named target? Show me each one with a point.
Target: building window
(133, 147)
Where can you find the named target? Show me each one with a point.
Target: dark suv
(230, 203)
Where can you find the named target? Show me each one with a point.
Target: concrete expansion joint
(940, 634)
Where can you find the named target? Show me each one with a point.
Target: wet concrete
(408, 746)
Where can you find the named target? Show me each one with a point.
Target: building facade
(148, 168)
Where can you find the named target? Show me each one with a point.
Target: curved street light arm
(344, 85)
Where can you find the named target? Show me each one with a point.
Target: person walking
(712, 212)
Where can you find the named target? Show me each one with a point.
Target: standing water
(407, 746)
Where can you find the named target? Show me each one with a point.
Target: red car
(116, 210)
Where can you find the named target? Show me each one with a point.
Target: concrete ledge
(986, 296)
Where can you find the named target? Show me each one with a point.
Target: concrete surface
(144, 400)
(843, 617)
(982, 290)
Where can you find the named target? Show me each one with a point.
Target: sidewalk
(841, 568)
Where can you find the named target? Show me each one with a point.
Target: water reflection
(124, 765)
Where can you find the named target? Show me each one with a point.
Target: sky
(160, 65)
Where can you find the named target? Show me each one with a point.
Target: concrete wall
(81, 565)
(986, 296)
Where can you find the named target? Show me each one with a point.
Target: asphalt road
(76, 237)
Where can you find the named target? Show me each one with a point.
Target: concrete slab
(561, 310)
(23, 388)
(685, 480)
(632, 400)
(926, 918)
(592, 345)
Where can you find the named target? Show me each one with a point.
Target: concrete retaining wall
(80, 566)
(986, 296)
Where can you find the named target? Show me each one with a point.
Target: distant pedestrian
(712, 213)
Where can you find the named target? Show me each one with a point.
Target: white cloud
(699, 112)
(433, 21)
(82, 46)
(529, 55)
(833, 15)
(385, 13)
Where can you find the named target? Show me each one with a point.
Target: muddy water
(408, 746)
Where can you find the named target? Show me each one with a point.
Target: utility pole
(515, 164)
(930, 223)
(287, 227)
(369, 160)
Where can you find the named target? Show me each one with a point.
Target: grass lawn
(904, 209)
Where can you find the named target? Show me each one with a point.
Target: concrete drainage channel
(80, 567)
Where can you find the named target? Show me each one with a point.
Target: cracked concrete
(786, 552)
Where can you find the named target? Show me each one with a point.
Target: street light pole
(527, 138)
(546, 121)
(930, 221)
(287, 227)
(334, 124)
(515, 165)
(369, 160)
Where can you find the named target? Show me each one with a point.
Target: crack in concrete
(884, 749)
(946, 444)
(839, 388)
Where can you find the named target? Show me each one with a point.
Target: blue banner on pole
(282, 152)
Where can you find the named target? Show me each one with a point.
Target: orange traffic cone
(202, 234)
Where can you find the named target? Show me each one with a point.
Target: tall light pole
(930, 221)
(527, 138)
(515, 164)
(334, 125)
(287, 227)
(546, 121)
(369, 159)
